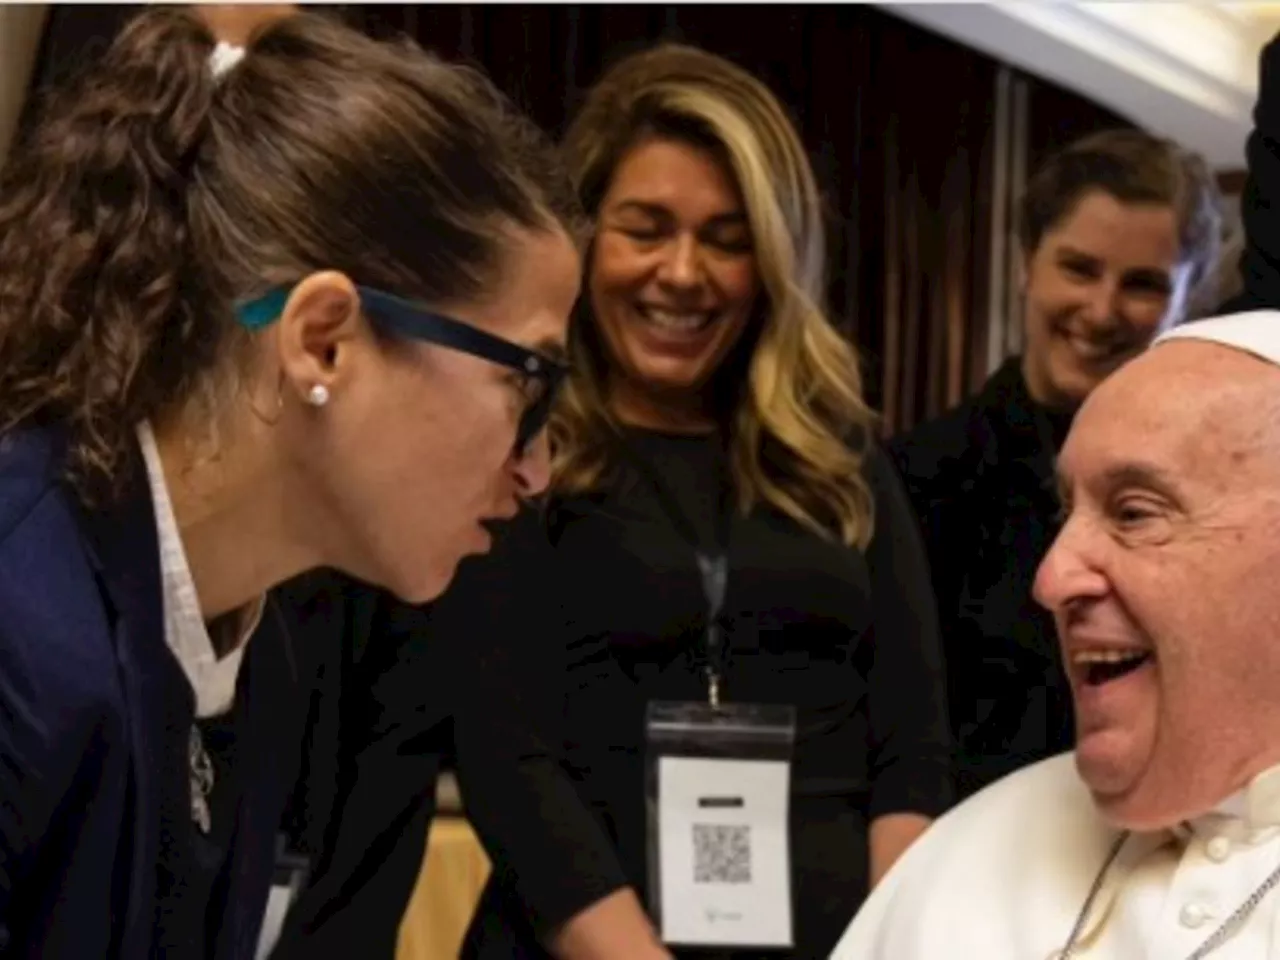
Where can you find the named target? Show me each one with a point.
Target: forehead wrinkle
(1148, 426)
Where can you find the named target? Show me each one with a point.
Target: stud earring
(318, 395)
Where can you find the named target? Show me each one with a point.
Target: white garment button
(1194, 915)
(1218, 849)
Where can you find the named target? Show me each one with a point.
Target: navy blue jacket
(95, 715)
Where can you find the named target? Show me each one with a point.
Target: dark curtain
(1056, 117)
(899, 123)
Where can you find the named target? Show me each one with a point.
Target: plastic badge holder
(763, 735)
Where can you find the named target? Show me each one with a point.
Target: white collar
(212, 679)
(1251, 814)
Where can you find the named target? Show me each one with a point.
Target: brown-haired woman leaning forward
(262, 310)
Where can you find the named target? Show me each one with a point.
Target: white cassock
(1004, 876)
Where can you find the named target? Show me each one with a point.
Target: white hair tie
(224, 57)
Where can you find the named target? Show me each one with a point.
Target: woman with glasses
(263, 310)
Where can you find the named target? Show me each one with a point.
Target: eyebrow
(1148, 272)
(658, 211)
(1127, 473)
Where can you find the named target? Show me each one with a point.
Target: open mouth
(673, 321)
(1103, 666)
(1094, 348)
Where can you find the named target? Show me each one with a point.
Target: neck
(1042, 393)
(240, 524)
(674, 412)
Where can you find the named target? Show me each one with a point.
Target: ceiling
(1185, 70)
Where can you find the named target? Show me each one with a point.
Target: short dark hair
(153, 196)
(1133, 167)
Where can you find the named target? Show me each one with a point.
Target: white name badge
(724, 854)
(719, 785)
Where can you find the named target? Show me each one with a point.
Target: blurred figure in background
(1117, 230)
(217, 371)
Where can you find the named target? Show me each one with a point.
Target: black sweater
(849, 637)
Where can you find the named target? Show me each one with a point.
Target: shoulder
(938, 452)
(29, 473)
(47, 577)
(59, 676)
(1033, 837)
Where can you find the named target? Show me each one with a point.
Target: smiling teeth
(683, 322)
(1107, 656)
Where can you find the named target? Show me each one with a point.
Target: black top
(620, 595)
(849, 638)
(981, 480)
(472, 679)
(190, 881)
(1260, 263)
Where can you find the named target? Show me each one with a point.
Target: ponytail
(153, 196)
(99, 289)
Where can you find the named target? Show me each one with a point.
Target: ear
(319, 332)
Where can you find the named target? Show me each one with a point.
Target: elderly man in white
(1159, 838)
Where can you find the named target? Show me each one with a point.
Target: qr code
(721, 853)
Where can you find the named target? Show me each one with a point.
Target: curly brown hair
(154, 196)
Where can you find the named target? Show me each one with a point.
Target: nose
(680, 267)
(1068, 573)
(533, 466)
(1102, 302)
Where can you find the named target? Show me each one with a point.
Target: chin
(1139, 802)
(667, 379)
(427, 583)
(423, 593)
(1071, 385)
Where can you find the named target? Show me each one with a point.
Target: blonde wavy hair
(799, 425)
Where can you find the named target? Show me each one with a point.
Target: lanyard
(713, 565)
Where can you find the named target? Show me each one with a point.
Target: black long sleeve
(482, 666)
(547, 849)
(911, 751)
(366, 793)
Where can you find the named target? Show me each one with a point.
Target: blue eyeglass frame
(407, 319)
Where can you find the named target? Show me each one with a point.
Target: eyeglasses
(543, 375)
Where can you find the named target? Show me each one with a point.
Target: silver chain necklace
(201, 768)
(1215, 939)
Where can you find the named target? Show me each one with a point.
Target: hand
(614, 928)
(891, 834)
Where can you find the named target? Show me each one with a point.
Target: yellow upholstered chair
(454, 871)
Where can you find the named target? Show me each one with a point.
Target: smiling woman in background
(714, 409)
(1117, 230)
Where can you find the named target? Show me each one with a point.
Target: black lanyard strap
(713, 565)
